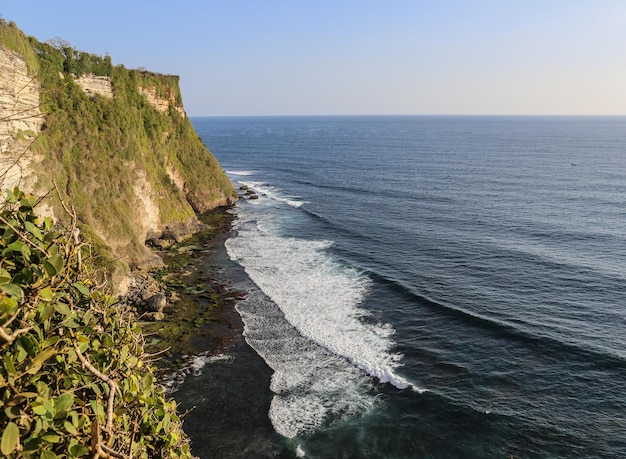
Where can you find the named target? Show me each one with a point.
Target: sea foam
(272, 193)
(326, 337)
(240, 173)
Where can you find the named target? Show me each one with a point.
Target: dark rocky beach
(220, 384)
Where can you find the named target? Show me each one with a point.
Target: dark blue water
(435, 286)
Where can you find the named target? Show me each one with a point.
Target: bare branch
(112, 387)
(109, 452)
(13, 336)
(24, 237)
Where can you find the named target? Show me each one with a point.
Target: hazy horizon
(244, 58)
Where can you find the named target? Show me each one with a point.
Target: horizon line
(571, 115)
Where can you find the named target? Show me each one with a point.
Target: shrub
(74, 380)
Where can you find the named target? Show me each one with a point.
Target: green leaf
(69, 427)
(30, 447)
(46, 293)
(10, 439)
(62, 308)
(21, 353)
(51, 437)
(32, 229)
(8, 304)
(11, 289)
(28, 202)
(8, 364)
(5, 277)
(39, 410)
(48, 223)
(39, 360)
(16, 246)
(53, 265)
(81, 288)
(64, 402)
(78, 450)
(50, 342)
(97, 408)
(25, 252)
(47, 312)
(11, 198)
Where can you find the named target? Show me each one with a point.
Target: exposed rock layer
(93, 84)
(20, 119)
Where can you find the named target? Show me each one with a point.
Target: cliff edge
(115, 143)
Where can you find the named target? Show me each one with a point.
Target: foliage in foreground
(73, 382)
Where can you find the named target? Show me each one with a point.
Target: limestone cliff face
(160, 103)
(94, 84)
(20, 119)
(115, 143)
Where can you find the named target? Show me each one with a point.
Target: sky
(339, 57)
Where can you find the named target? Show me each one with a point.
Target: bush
(74, 380)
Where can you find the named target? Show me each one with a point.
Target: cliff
(114, 143)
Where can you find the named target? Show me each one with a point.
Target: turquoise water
(429, 286)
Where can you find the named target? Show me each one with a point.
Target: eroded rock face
(149, 214)
(20, 120)
(93, 84)
(160, 103)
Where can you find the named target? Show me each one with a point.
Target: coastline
(221, 385)
(201, 318)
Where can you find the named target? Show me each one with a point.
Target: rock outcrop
(20, 120)
(94, 84)
(161, 104)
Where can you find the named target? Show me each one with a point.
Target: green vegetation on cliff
(114, 157)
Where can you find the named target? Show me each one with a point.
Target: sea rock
(145, 296)
(153, 316)
(173, 233)
(156, 303)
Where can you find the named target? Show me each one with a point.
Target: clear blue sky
(288, 57)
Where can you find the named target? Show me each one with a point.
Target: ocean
(424, 287)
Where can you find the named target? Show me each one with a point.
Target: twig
(13, 336)
(109, 452)
(182, 416)
(26, 239)
(61, 199)
(163, 351)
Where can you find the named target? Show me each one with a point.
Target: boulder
(156, 303)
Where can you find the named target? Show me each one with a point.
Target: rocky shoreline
(186, 308)
(226, 408)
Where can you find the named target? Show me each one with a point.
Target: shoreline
(219, 382)
(201, 317)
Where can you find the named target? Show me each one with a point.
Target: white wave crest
(306, 321)
(312, 387)
(275, 194)
(240, 173)
(192, 365)
(319, 297)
